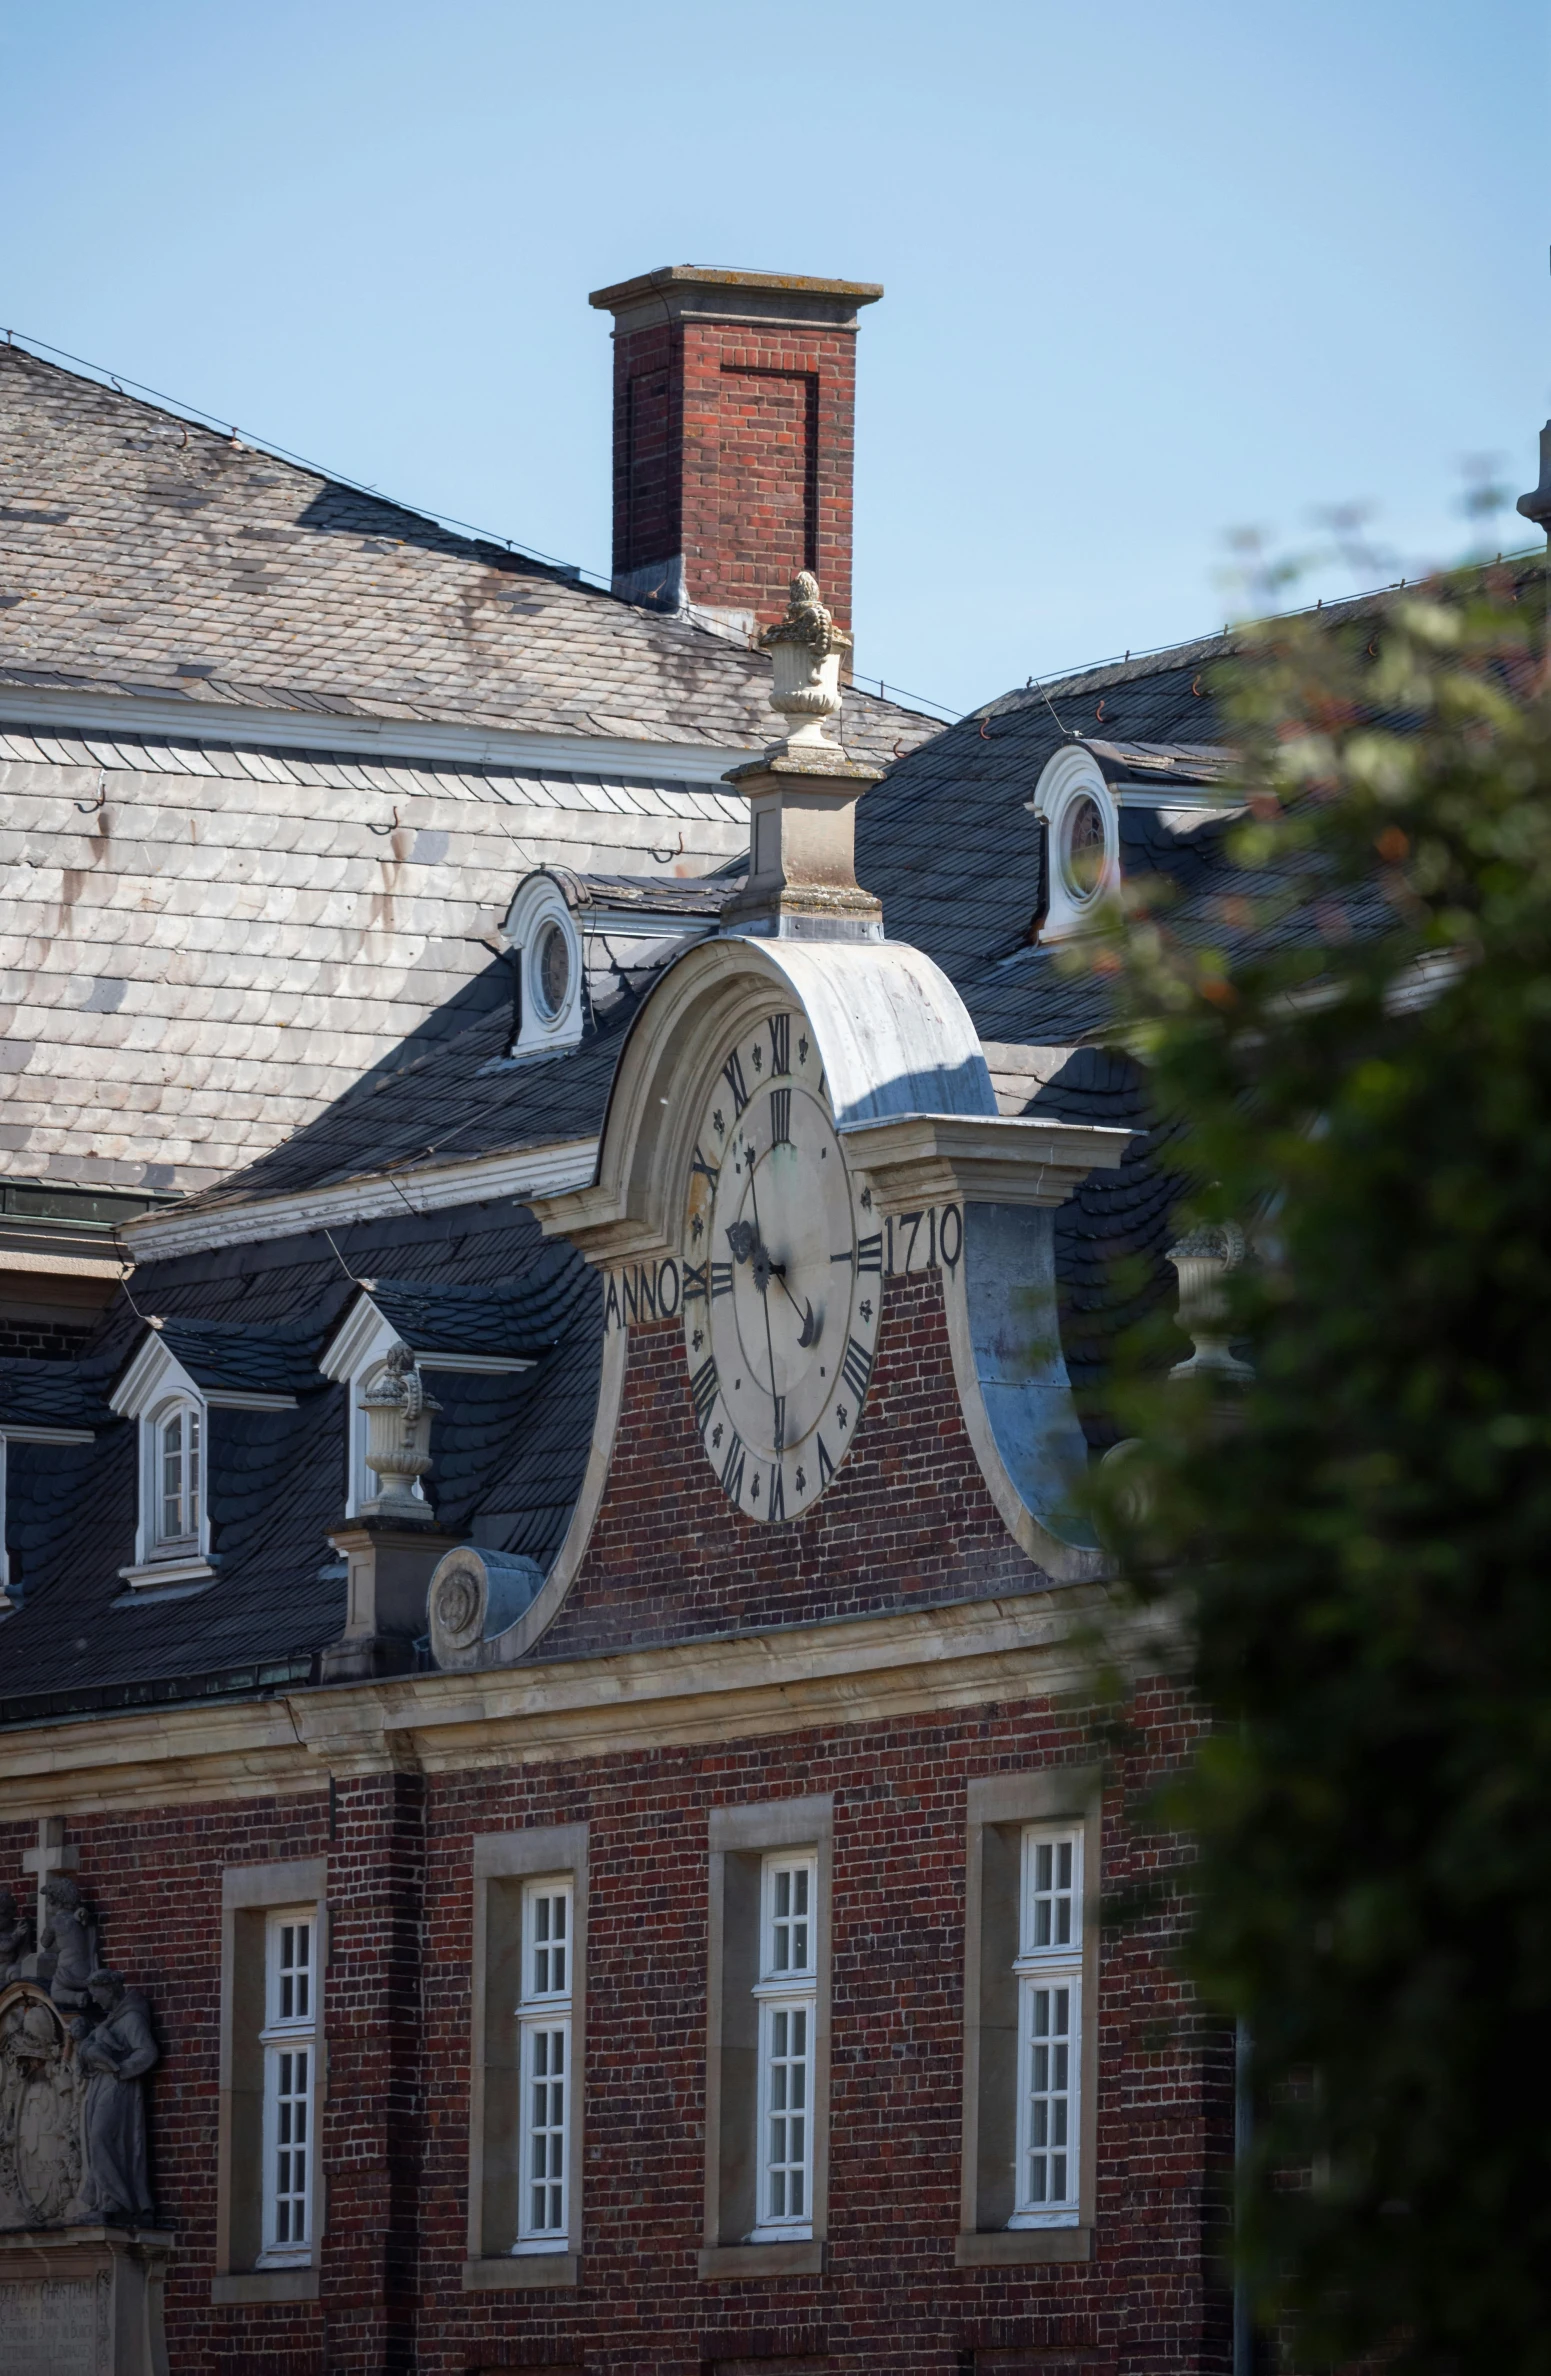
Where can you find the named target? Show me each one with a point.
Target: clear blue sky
(1153, 273)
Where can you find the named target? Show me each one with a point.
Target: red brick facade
(907, 1526)
(397, 2020)
(908, 1521)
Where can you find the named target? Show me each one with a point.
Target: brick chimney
(734, 425)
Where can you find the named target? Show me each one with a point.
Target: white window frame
(787, 1995)
(185, 1417)
(539, 906)
(289, 2036)
(546, 2034)
(1051, 1919)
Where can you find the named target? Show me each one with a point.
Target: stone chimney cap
(669, 277)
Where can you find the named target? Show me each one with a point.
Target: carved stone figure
(41, 2087)
(115, 2181)
(69, 1937)
(15, 1934)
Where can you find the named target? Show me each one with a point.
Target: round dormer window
(1085, 846)
(552, 970)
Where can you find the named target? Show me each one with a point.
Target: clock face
(783, 1276)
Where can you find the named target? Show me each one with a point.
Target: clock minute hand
(776, 1396)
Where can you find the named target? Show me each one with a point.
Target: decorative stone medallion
(41, 2090)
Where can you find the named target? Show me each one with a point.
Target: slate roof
(509, 1451)
(206, 937)
(219, 1355)
(140, 552)
(516, 1320)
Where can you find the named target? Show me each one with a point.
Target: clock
(783, 1275)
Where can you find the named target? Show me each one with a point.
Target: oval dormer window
(552, 970)
(1084, 846)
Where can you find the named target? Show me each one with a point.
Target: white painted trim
(154, 1372)
(47, 1435)
(158, 715)
(485, 1179)
(504, 1648)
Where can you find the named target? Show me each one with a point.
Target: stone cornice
(850, 1671)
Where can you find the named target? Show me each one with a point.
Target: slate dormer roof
(225, 1357)
(42, 1393)
(517, 1319)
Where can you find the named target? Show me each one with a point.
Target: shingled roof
(140, 552)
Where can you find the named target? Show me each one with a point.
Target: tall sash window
(289, 2041)
(544, 2021)
(787, 1994)
(1049, 1972)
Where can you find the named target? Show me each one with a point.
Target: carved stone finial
(805, 648)
(1203, 1258)
(399, 1412)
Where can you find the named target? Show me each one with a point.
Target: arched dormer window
(177, 1480)
(1082, 841)
(547, 952)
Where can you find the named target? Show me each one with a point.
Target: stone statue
(69, 1940)
(115, 2180)
(15, 1934)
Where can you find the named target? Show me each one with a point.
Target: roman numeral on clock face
(775, 1506)
(732, 1074)
(856, 1368)
(780, 1029)
(869, 1253)
(732, 1468)
(707, 1171)
(703, 1390)
(694, 1281)
(780, 1117)
(721, 1280)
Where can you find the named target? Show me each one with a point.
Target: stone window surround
(248, 1894)
(1000, 1808)
(740, 1838)
(502, 1863)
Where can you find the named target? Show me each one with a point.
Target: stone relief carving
(41, 2096)
(75, 2047)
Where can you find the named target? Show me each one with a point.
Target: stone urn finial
(805, 648)
(1202, 1259)
(399, 1412)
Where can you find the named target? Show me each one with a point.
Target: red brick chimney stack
(734, 427)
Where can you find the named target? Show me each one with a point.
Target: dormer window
(1082, 841)
(547, 953)
(177, 1457)
(180, 1373)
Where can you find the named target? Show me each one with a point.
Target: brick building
(546, 1616)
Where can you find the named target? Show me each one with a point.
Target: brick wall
(733, 451)
(397, 2015)
(906, 1522)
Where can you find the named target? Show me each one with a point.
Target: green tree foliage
(1356, 1546)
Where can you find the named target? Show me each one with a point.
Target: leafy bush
(1356, 1545)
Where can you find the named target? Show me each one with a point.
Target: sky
(1156, 275)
